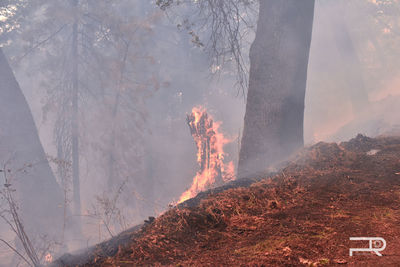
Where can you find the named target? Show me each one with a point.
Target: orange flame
(210, 153)
(48, 258)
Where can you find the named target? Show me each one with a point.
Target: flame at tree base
(210, 154)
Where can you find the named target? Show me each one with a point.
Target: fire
(210, 153)
(48, 258)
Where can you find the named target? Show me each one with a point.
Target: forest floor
(303, 215)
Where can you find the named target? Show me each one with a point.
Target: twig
(16, 251)
(41, 42)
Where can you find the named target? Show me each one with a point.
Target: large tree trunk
(39, 196)
(273, 123)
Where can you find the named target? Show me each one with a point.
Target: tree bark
(273, 123)
(39, 196)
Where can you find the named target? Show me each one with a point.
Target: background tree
(353, 62)
(37, 191)
(93, 60)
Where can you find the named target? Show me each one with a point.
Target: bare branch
(226, 26)
(41, 43)
(16, 251)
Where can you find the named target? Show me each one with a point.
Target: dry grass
(303, 216)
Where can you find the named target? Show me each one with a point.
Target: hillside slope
(302, 215)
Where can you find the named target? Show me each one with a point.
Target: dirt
(303, 215)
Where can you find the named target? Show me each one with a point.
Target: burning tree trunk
(202, 131)
(210, 154)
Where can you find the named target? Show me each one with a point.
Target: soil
(302, 215)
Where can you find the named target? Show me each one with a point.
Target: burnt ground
(301, 216)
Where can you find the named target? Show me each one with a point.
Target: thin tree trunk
(273, 123)
(61, 175)
(352, 70)
(75, 121)
(111, 157)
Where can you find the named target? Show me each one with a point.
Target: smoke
(165, 162)
(352, 79)
(351, 89)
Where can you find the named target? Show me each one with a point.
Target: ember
(210, 154)
(48, 258)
